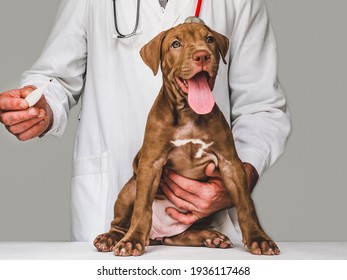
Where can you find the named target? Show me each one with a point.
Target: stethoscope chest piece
(194, 20)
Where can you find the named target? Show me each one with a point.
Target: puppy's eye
(176, 44)
(210, 39)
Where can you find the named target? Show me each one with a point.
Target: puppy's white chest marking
(200, 152)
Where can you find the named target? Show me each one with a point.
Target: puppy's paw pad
(218, 240)
(128, 248)
(264, 247)
(105, 242)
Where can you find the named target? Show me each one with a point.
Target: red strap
(198, 6)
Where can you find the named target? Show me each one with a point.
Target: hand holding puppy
(201, 199)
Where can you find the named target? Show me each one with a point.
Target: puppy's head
(189, 56)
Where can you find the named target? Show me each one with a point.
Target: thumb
(25, 91)
(212, 171)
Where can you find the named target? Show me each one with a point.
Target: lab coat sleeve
(64, 59)
(260, 118)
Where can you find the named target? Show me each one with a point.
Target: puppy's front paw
(105, 242)
(130, 247)
(262, 246)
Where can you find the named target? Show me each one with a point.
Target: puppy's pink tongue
(200, 97)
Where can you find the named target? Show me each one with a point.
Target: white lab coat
(117, 90)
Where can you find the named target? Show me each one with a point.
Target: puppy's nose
(201, 57)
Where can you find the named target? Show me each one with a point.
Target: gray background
(301, 198)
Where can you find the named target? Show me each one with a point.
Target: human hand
(20, 120)
(200, 199)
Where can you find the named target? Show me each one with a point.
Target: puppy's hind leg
(199, 238)
(123, 210)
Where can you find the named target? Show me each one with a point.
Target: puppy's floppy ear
(222, 43)
(151, 52)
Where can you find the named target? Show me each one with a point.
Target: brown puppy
(185, 131)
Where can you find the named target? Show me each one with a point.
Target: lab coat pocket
(89, 192)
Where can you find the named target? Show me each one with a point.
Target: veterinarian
(89, 59)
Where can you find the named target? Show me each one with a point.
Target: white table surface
(86, 251)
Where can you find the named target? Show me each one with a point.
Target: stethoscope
(194, 18)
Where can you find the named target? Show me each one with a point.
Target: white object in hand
(35, 95)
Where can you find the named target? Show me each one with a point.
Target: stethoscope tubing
(121, 35)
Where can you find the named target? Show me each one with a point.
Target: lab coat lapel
(174, 10)
(155, 8)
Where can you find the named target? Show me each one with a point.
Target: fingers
(25, 125)
(12, 103)
(14, 109)
(12, 100)
(189, 185)
(175, 194)
(184, 218)
(15, 117)
(192, 190)
(34, 131)
(212, 171)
